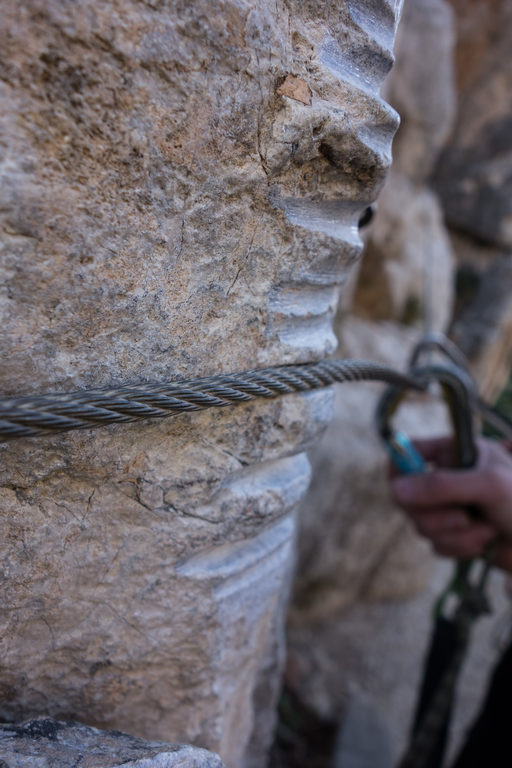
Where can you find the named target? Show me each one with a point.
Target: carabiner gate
(459, 393)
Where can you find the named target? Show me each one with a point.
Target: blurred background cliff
(364, 578)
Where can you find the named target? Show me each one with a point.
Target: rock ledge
(48, 743)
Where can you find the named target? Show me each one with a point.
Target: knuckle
(498, 482)
(437, 486)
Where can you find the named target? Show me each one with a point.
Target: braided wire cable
(45, 414)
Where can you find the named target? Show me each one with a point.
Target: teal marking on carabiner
(404, 455)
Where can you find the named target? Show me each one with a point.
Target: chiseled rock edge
(345, 135)
(50, 743)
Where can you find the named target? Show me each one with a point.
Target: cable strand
(30, 416)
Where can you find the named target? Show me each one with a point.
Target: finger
(445, 488)
(441, 451)
(466, 544)
(438, 450)
(503, 557)
(432, 523)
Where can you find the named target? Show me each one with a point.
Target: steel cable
(46, 414)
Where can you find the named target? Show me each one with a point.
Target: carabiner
(464, 599)
(440, 343)
(459, 393)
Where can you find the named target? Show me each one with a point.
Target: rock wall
(365, 582)
(362, 546)
(50, 743)
(181, 187)
(474, 179)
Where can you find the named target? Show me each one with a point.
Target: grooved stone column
(181, 185)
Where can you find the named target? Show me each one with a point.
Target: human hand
(438, 501)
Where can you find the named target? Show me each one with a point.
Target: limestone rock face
(408, 233)
(484, 328)
(360, 618)
(422, 87)
(408, 249)
(354, 545)
(355, 549)
(180, 195)
(50, 743)
(349, 490)
(473, 178)
(475, 170)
